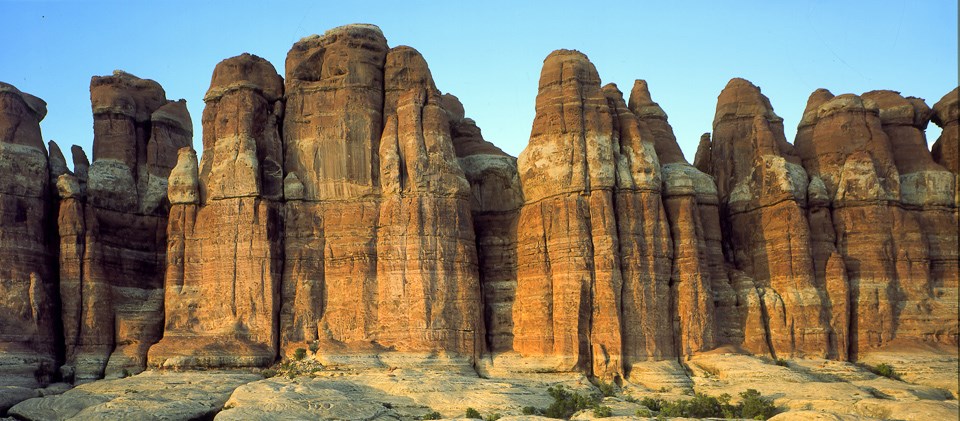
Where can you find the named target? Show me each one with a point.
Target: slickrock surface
(28, 303)
(224, 256)
(380, 250)
(147, 396)
(112, 219)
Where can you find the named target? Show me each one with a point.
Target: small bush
(433, 416)
(885, 370)
(530, 410)
(299, 354)
(607, 389)
(314, 346)
(602, 411)
(268, 373)
(630, 399)
(754, 406)
(644, 412)
(493, 417)
(566, 403)
(781, 362)
(653, 404)
(472, 414)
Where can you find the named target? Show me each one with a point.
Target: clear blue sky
(489, 53)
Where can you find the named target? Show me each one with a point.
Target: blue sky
(490, 53)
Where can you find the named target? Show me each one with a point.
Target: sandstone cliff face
(892, 212)
(495, 200)
(380, 250)
(593, 245)
(112, 219)
(225, 229)
(763, 190)
(946, 151)
(28, 303)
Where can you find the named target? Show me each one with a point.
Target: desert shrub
(566, 403)
(268, 373)
(602, 411)
(299, 354)
(493, 417)
(606, 389)
(472, 414)
(314, 346)
(433, 416)
(885, 370)
(531, 410)
(652, 404)
(644, 412)
(754, 406)
(781, 362)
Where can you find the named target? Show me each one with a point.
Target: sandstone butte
(351, 209)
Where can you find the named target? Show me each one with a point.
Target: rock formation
(111, 224)
(224, 249)
(495, 201)
(352, 210)
(28, 297)
(893, 215)
(946, 151)
(380, 250)
(762, 191)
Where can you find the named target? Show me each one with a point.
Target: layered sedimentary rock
(763, 190)
(224, 237)
(593, 245)
(946, 150)
(380, 250)
(495, 201)
(892, 213)
(28, 298)
(112, 220)
(690, 199)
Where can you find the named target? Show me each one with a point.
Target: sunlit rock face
(380, 248)
(224, 247)
(892, 213)
(112, 220)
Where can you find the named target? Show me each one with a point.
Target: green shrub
(566, 403)
(493, 417)
(652, 404)
(299, 354)
(755, 406)
(268, 373)
(781, 362)
(606, 389)
(314, 346)
(644, 412)
(885, 370)
(472, 414)
(433, 416)
(530, 410)
(602, 411)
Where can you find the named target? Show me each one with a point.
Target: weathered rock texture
(893, 213)
(111, 225)
(766, 237)
(495, 201)
(379, 247)
(224, 237)
(28, 298)
(352, 210)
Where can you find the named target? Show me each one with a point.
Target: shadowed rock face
(28, 303)
(111, 225)
(946, 151)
